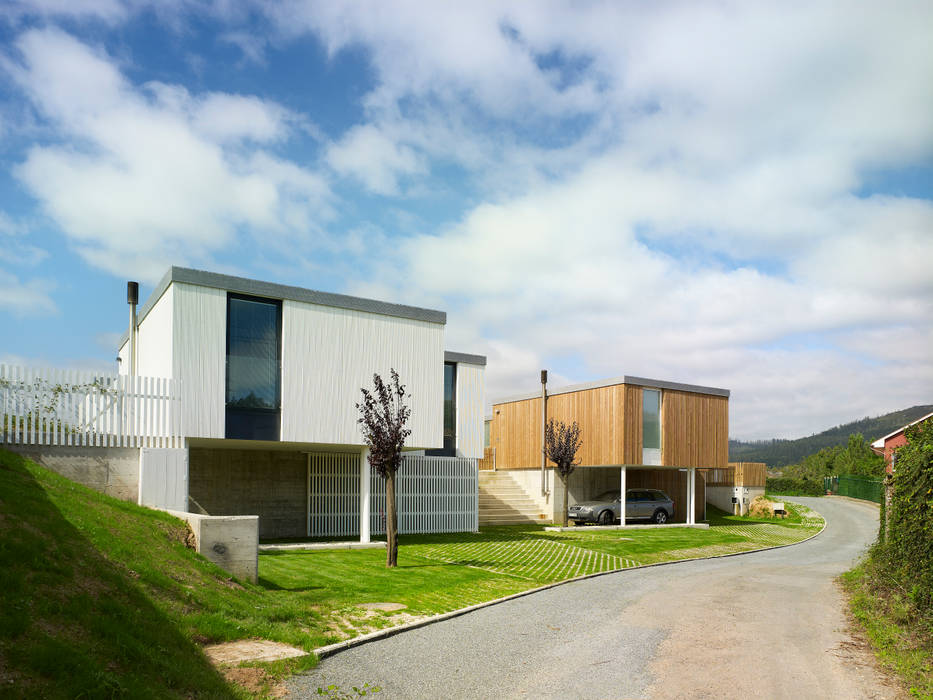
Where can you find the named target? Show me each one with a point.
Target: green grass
(102, 598)
(902, 639)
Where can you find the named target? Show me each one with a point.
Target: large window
(254, 375)
(651, 426)
(450, 413)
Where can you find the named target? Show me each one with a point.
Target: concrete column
(365, 495)
(622, 486)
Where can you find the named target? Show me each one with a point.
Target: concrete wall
(231, 542)
(269, 483)
(110, 470)
(721, 496)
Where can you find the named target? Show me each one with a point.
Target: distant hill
(779, 453)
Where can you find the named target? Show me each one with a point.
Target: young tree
(383, 415)
(561, 443)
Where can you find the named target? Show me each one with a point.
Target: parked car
(640, 504)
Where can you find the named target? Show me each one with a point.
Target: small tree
(561, 443)
(383, 415)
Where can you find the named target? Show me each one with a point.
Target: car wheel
(605, 518)
(660, 516)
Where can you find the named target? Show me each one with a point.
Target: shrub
(794, 487)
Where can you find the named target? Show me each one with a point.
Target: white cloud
(376, 160)
(152, 177)
(22, 298)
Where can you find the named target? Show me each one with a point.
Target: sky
(731, 194)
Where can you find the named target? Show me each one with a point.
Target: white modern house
(268, 377)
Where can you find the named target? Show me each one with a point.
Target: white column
(622, 486)
(691, 496)
(364, 495)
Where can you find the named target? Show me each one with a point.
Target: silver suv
(640, 504)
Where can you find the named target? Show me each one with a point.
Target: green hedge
(793, 487)
(909, 545)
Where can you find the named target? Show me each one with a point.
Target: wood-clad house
(647, 432)
(269, 378)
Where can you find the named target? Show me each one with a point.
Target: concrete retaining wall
(270, 483)
(110, 470)
(230, 541)
(721, 496)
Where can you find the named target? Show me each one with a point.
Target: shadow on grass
(75, 624)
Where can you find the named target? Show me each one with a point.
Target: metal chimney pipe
(544, 484)
(132, 298)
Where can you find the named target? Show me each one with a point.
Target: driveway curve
(764, 624)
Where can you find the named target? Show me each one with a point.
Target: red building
(886, 445)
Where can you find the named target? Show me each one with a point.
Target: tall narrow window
(651, 426)
(450, 413)
(254, 377)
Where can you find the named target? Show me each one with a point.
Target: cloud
(144, 177)
(374, 159)
(21, 298)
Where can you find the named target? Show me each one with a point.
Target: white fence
(434, 494)
(69, 407)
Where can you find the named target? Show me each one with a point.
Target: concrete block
(230, 541)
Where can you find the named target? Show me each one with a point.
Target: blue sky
(730, 194)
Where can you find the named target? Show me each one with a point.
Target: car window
(636, 496)
(608, 496)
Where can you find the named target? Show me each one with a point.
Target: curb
(331, 649)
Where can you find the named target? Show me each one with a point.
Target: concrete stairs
(503, 502)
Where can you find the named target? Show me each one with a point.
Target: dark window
(450, 413)
(254, 372)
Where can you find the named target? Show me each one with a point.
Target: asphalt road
(766, 624)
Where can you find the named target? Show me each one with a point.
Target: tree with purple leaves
(561, 444)
(383, 415)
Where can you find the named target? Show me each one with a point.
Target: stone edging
(331, 649)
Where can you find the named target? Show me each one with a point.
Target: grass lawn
(440, 573)
(102, 598)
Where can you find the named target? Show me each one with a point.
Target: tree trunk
(563, 510)
(391, 523)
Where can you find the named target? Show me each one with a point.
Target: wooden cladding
(749, 473)
(694, 427)
(489, 459)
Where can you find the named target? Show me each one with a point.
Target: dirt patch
(255, 680)
(357, 620)
(232, 653)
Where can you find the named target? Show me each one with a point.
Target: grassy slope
(102, 597)
(903, 640)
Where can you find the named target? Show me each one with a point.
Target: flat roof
(271, 290)
(626, 379)
(465, 358)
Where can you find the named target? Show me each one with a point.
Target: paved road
(767, 624)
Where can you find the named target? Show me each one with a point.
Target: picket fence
(85, 409)
(434, 494)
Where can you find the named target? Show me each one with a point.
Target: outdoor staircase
(503, 502)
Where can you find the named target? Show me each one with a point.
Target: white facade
(471, 401)
(329, 354)
(329, 351)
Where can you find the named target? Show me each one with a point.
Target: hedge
(793, 487)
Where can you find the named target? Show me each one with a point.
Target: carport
(680, 483)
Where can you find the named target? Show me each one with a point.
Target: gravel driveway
(767, 624)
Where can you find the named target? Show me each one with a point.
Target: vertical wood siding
(694, 429)
(199, 333)
(67, 407)
(329, 354)
(471, 401)
(435, 494)
(749, 473)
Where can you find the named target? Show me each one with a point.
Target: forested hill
(778, 453)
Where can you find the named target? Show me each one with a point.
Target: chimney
(132, 298)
